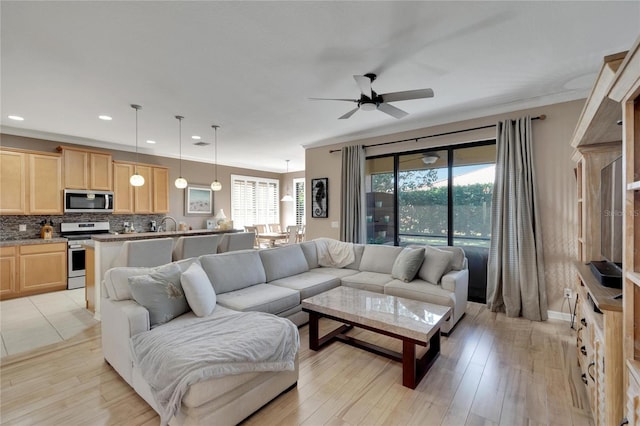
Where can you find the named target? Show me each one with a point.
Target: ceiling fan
(370, 100)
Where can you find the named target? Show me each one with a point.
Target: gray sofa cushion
(457, 263)
(283, 262)
(407, 264)
(377, 258)
(233, 270)
(161, 293)
(371, 281)
(436, 263)
(310, 253)
(261, 297)
(422, 291)
(336, 272)
(308, 283)
(116, 280)
(198, 290)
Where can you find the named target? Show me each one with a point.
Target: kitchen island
(107, 248)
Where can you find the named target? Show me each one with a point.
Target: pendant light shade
(215, 185)
(136, 179)
(287, 196)
(181, 182)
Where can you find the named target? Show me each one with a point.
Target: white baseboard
(564, 316)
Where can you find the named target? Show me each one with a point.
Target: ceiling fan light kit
(371, 101)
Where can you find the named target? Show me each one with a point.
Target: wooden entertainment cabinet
(608, 337)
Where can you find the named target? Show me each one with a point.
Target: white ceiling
(251, 67)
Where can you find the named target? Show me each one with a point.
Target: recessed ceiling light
(16, 117)
(196, 137)
(151, 142)
(105, 117)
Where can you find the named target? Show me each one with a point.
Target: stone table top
(405, 317)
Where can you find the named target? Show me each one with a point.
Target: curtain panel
(515, 276)
(352, 194)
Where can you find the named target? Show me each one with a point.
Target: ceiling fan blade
(392, 111)
(349, 114)
(333, 99)
(364, 83)
(407, 95)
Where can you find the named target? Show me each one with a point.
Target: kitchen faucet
(163, 220)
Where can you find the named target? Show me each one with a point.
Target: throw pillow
(435, 264)
(406, 265)
(161, 293)
(198, 290)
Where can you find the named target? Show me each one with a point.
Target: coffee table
(413, 322)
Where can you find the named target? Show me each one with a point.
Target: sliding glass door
(436, 197)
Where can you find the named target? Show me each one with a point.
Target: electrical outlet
(22, 228)
(568, 293)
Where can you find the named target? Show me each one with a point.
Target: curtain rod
(453, 132)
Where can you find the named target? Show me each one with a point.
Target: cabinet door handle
(624, 421)
(584, 379)
(583, 350)
(583, 321)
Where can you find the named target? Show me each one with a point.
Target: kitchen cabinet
(160, 190)
(152, 197)
(8, 261)
(84, 169)
(42, 268)
(30, 182)
(32, 269)
(13, 182)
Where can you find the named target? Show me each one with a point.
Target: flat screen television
(608, 271)
(611, 192)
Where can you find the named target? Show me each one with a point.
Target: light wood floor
(492, 370)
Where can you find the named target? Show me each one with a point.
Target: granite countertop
(105, 238)
(30, 241)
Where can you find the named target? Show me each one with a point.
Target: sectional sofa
(274, 281)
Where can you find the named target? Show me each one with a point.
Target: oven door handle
(75, 246)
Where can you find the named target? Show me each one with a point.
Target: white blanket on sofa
(334, 253)
(174, 356)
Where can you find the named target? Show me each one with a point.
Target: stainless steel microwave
(87, 201)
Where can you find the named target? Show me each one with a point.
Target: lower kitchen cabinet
(32, 269)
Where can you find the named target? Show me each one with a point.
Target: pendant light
(215, 185)
(288, 196)
(181, 182)
(136, 179)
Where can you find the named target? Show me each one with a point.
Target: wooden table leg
(314, 341)
(409, 364)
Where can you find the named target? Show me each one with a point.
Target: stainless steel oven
(78, 234)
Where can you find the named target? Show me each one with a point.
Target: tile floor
(31, 322)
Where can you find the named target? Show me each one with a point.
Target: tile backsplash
(10, 225)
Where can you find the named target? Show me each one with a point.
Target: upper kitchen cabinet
(152, 197)
(84, 169)
(30, 182)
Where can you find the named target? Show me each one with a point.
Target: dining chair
(293, 236)
(261, 229)
(197, 245)
(275, 227)
(147, 253)
(301, 230)
(254, 230)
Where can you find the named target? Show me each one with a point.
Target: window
(254, 201)
(440, 196)
(298, 185)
